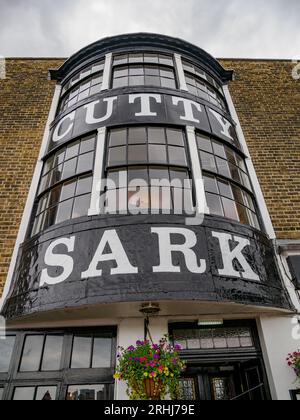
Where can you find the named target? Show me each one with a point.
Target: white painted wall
(278, 337)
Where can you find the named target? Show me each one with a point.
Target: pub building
(146, 184)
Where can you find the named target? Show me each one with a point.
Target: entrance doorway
(223, 363)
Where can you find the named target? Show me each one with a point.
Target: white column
(201, 204)
(180, 73)
(254, 179)
(95, 207)
(31, 195)
(107, 72)
(279, 336)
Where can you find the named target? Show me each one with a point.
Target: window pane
(166, 60)
(204, 144)
(136, 80)
(24, 394)
(86, 393)
(137, 154)
(175, 137)
(46, 393)
(102, 353)
(208, 161)
(219, 150)
(59, 158)
(225, 189)
(152, 81)
(118, 137)
(69, 168)
(136, 58)
(136, 71)
(64, 211)
(157, 154)
(137, 135)
(32, 353)
(237, 193)
(54, 196)
(6, 349)
(81, 356)
(177, 156)
(121, 82)
(230, 209)
(95, 89)
(137, 173)
(156, 135)
(85, 162)
(168, 73)
(72, 151)
(214, 204)
(242, 212)
(83, 95)
(52, 353)
(151, 58)
(168, 83)
(210, 184)
(56, 174)
(159, 174)
(117, 156)
(223, 167)
(81, 206)
(68, 190)
(1, 393)
(138, 198)
(84, 185)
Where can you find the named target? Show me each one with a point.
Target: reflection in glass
(86, 393)
(1, 393)
(101, 353)
(32, 353)
(81, 355)
(46, 393)
(6, 349)
(52, 353)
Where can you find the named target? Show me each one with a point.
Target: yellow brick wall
(25, 99)
(267, 101)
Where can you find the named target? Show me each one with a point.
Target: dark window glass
(46, 393)
(175, 137)
(6, 350)
(32, 353)
(117, 156)
(52, 353)
(208, 161)
(156, 135)
(86, 393)
(81, 355)
(230, 209)
(137, 154)
(102, 353)
(210, 184)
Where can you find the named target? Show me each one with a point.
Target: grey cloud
(224, 28)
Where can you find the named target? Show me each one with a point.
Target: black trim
(129, 42)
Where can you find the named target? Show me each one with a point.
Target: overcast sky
(224, 28)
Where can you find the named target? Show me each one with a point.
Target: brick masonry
(267, 101)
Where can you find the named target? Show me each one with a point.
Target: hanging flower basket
(151, 371)
(293, 361)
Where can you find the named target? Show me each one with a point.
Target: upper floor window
(86, 83)
(66, 184)
(147, 169)
(201, 84)
(143, 69)
(227, 185)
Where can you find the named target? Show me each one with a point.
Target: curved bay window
(143, 69)
(227, 184)
(86, 83)
(66, 184)
(149, 167)
(201, 84)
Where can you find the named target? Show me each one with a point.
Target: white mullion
(180, 73)
(98, 173)
(201, 203)
(107, 72)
